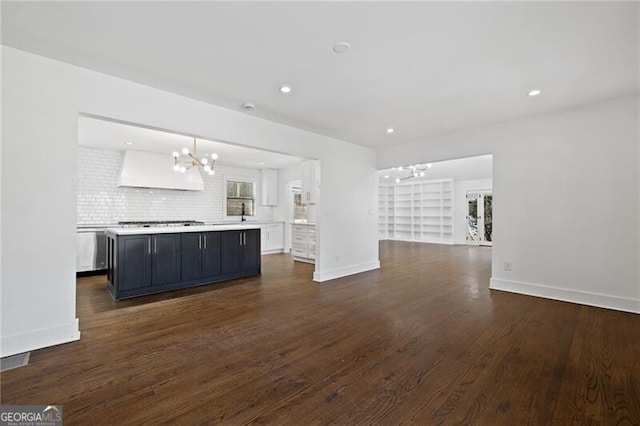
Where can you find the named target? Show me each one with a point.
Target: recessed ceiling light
(534, 92)
(128, 143)
(285, 89)
(390, 130)
(342, 47)
(248, 106)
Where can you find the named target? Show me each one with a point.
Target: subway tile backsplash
(101, 201)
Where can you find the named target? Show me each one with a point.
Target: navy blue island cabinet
(146, 263)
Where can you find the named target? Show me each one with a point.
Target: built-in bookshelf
(417, 211)
(385, 214)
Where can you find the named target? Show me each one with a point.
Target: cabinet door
(310, 181)
(231, 246)
(166, 259)
(269, 187)
(251, 250)
(211, 254)
(134, 258)
(191, 256)
(264, 238)
(276, 237)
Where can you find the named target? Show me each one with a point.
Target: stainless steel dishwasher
(91, 250)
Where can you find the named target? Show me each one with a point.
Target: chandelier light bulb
(421, 174)
(186, 159)
(429, 165)
(212, 172)
(400, 168)
(397, 180)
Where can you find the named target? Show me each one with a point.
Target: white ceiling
(103, 134)
(424, 68)
(480, 167)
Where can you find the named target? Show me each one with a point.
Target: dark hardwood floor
(423, 340)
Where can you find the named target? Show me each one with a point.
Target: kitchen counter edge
(177, 229)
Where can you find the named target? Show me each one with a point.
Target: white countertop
(180, 229)
(217, 225)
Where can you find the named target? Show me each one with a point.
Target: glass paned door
(472, 219)
(488, 218)
(479, 218)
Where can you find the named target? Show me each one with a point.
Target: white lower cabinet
(303, 242)
(272, 238)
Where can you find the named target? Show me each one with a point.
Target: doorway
(479, 218)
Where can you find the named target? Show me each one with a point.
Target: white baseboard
(272, 251)
(447, 243)
(345, 271)
(38, 339)
(566, 295)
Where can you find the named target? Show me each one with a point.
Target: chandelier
(186, 160)
(416, 170)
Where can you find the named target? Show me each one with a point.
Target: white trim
(567, 295)
(272, 251)
(321, 276)
(405, 240)
(19, 343)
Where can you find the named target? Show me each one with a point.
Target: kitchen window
(240, 198)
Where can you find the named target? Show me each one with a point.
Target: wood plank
(423, 340)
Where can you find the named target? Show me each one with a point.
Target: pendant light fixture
(187, 159)
(417, 170)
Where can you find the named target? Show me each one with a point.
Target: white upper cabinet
(269, 187)
(310, 181)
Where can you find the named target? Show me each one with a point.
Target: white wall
(566, 205)
(102, 201)
(41, 100)
(460, 189)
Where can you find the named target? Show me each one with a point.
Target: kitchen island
(149, 260)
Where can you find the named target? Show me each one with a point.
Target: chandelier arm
(191, 160)
(194, 158)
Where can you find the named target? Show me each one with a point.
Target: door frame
(480, 194)
(289, 214)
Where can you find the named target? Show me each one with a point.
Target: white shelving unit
(417, 211)
(402, 212)
(385, 212)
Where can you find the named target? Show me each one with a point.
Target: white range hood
(150, 170)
